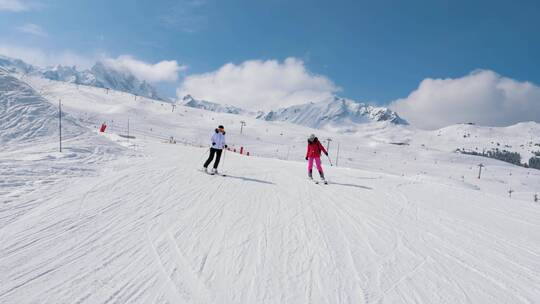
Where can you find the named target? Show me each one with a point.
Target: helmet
(311, 137)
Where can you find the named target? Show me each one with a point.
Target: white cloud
(482, 97)
(32, 29)
(258, 85)
(163, 71)
(14, 5)
(41, 58)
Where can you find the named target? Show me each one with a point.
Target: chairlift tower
(328, 140)
(480, 166)
(242, 124)
(60, 124)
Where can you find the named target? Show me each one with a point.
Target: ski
(206, 172)
(212, 173)
(319, 182)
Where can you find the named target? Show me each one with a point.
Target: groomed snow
(397, 224)
(29, 157)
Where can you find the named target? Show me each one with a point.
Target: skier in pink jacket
(314, 150)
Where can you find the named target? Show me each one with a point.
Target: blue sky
(375, 51)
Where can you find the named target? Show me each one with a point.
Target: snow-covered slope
(29, 146)
(158, 230)
(99, 75)
(523, 138)
(335, 114)
(403, 220)
(26, 117)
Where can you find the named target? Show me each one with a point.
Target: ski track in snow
(156, 232)
(102, 223)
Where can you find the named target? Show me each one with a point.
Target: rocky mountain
(69, 74)
(100, 75)
(107, 77)
(12, 65)
(189, 101)
(337, 113)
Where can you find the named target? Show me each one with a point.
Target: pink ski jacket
(315, 148)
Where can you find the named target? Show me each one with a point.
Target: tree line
(507, 156)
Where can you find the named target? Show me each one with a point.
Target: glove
(213, 143)
(226, 146)
(326, 153)
(306, 158)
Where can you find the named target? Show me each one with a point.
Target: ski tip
(206, 172)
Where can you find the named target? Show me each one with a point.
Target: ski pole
(331, 165)
(223, 162)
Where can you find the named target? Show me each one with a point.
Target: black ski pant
(213, 152)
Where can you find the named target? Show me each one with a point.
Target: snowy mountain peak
(336, 113)
(69, 74)
(189, 101)
(100, 75)
(107, 77)
(13, 65)
(339, 114)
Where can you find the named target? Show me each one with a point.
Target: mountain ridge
(189, 101)
(100, 75)
(337, 113)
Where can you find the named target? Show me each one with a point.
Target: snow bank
(29, 156)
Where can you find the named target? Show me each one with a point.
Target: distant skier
(218, 144)
(314, 150)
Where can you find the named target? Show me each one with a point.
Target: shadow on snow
(352, 185)
(247, 179)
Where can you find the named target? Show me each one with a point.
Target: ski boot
(310, 176)
(321, 174)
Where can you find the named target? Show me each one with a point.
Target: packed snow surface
(403, 220)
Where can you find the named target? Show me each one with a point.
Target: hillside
(29, 156)
(403, 220)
